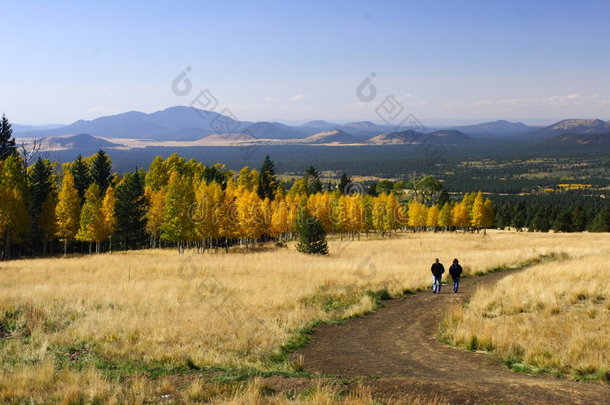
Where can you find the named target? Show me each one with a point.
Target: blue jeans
(436, 286)
(456, 284)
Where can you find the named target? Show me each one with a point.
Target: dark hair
(456, 261)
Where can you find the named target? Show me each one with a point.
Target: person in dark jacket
(437, 271)
(456, 272)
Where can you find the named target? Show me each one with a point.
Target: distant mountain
(451, 137)
(410, 137)
(573, 126)
(320, 124)
(397, 138)
(365, 126)
(81, 141)
(273, 130)
(572, 139)
(174, 123)
(334, 136)
(496, 128)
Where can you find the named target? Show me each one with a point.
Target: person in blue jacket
(455, 271)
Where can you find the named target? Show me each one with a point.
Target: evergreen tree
(7, 143)
(268, 180)
(41, 186)
(314, 185)
(101, 168)
(130, 211)
(601, 222)
(79, 169)
(312, 237)
(344, 180)
(563, 221)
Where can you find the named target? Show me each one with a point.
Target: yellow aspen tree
(249, 215)
(418, 214)
(477, 212)
(299, 187)
(227, 214)
(13, 182)
(108, 204)
(489, 216)
(154, 214)
(338, 213)
(178, 225)
(92, 225)
(460, 215)
(319, 205)
(355, 214)
(204, 215)
(433, 216)
(67, 211)
(248, 178)
(389, 218)
(378, 212)
(279, 218)
(367, 207)
(445, 216)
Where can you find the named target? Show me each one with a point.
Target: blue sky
(444, 61)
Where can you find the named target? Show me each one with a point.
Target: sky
(441, 61)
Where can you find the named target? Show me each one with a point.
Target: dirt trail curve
(397, 345)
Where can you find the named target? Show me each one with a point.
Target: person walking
(437, 272)
(455, 271)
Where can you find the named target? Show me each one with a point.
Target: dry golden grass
(129, 312)
(554, 317)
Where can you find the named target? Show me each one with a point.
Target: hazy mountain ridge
(182, 123)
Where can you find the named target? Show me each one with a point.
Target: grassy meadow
(135, 326)
(553, 318)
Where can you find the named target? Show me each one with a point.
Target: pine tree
(79, 169)
(41, 186)
(314, 185)
(47, 220)
(344, 180)
(312, 237)
(601, 222)
(67, 211)
(130, 211)
(7, 143)
(101, 168)
(268, 180)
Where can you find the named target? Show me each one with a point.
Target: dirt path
(397, 346)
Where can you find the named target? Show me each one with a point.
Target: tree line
(85, 207)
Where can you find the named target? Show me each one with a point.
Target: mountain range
(186, 124)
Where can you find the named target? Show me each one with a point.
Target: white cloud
(298, 97)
